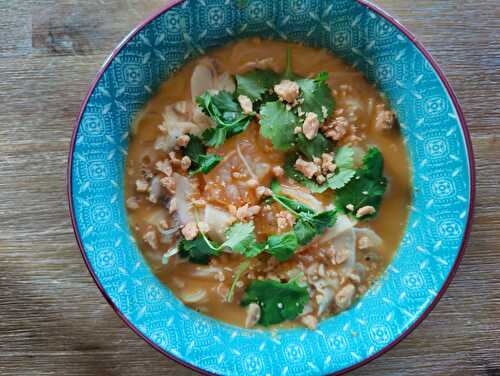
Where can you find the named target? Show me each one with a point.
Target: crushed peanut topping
(190, 231)
(141, 185)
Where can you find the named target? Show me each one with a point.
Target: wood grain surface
(53, 319)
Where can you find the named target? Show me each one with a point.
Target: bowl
(433, 129)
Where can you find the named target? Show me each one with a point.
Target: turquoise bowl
(433, 128)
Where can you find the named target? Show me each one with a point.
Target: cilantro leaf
(200, 161)
(317, 95)
(278, 301)
(299, 177)
(344, 157)
(315, 147)
(239, 237)
(226, 112)
(256, 83)
(307, 227)
(199, 250)
(282, 246)
(367, 187)
(278, 124)
(340, 179)
(206, 163)
(304, 231)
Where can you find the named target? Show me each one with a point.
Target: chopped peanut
(246, 104)
(278, 171)
(365, 210)
(164, 166)
(169, 183)
(185, 163)
(141, 185)
(263, 192)
(183, 140)
(190, 231)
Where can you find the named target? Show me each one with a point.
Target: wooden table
(54, 321)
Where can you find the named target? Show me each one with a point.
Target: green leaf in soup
(206, 163)
(197, 250)
(367, 187)
(200, 161)
(317, 97)
(299, 177)
(239, 236)
(344, 157)
(304, 230)
(315, 147)
(256, 83)
(283, 246)
(340, 179)
(227, 115)
(278, 124)
(278, 301)
(324, 220)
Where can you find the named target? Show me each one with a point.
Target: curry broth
(181, 276)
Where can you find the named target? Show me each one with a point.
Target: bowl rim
(471, 164)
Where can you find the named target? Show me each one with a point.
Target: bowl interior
(432, 131)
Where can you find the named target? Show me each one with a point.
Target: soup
(267, 183)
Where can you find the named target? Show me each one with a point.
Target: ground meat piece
(263, 192)
(246, 212)
(246, 104)
(278, 171)
(150, 238)
(364, 242)
(141, 185)
(309, 321)
(311, 125)
(182, 140)
(285, 220)
(344, 297)
(309, 169)
(385, 119)
(190, 231)
(365, 210)
(185, 163)
(287, 90)
(253, 315)
(320, 179)
(169, 183)
(337, 128)
(327, 164)
(164, 166)
(132, 203)
(252, 183)
(349, 207)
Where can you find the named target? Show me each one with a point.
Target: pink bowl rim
(472, 175)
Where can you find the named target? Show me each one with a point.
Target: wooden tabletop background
(53, 319)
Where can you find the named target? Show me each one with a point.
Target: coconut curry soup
(267, 183)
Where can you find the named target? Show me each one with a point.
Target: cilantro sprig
(278, 301)
(367, 187)
(309, 224)
(200, 160)
(227, 114)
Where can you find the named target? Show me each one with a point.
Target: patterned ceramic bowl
(434, 131)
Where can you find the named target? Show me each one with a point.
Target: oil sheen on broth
(204, 287)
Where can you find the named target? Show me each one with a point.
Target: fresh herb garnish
(282, 246)
(317, 96)
(241, 238)
(299, 177)
(278, 124)
(278, 301)
(256, 83)
(199, 250)
(315, 147)
(367, 187)
(200, 160)
(309, 224)
(344, 157)
(227, 114)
